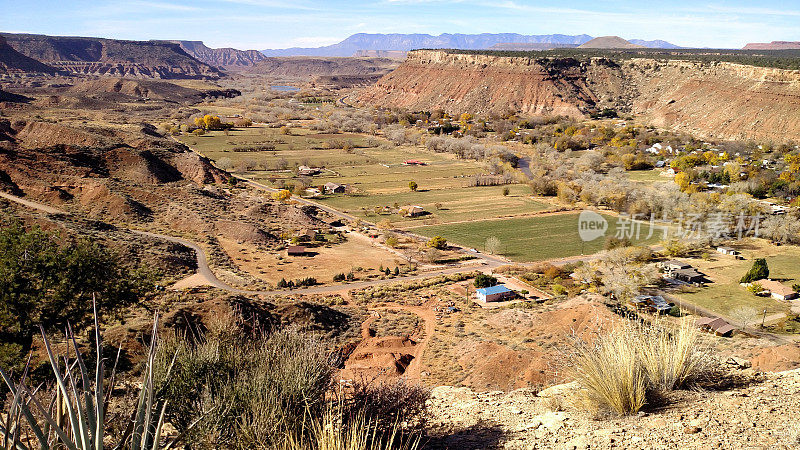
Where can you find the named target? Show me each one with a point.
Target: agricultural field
(368, 164)
(725, 296)
(441, 205)
(647, 176)
(549, 236)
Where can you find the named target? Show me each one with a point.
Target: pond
(285, 88)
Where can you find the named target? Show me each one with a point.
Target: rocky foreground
(763, 414)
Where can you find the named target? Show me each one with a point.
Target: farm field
(369, 166)
(726, 296)
(469, 203)
(531, 238)
(647, 176)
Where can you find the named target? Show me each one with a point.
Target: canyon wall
(715, 100)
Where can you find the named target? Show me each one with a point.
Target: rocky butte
(713, 99)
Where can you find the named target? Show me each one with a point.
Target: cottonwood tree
(623, 272)
(492, 245)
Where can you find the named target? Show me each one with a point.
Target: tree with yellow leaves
(282, 196)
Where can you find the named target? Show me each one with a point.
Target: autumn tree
(413, 185)
(437, 242)
(282, 196)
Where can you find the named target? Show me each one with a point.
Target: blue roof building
(495, 293)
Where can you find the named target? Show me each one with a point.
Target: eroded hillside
(722, 100)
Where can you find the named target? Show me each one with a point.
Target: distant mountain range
(405, 42)
(225, 58)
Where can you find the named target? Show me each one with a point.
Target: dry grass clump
(635, 365)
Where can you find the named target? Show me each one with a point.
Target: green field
(469, 203)
(647, 176)
(725, 295)
(530, 238)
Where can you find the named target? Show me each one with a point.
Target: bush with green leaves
(759, 271)
(49, 283)
(483, 280)
(437, 242)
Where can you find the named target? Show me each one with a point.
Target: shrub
(759, 271)
(437, 242)
(483, 281)
(413, 185)
(559, 289)
(385, 404)
(506, 191)
(245, 391)
(635, 364)
(75, 416)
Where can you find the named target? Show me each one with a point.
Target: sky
(262, 24)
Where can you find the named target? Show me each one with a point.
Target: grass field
(647, 176)
(530, 238)
(725, 295)
(471, 203)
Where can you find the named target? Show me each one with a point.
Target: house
(652, 303)
(412, 211)
(333, 188)
(690, 275)
(778, 290)
(716, 325)
(307, 171)
(730, 251)
(673, 264)
(296, 250)
(495, 294)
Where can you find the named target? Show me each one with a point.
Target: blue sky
(260, 24)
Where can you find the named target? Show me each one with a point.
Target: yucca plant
(75, 416)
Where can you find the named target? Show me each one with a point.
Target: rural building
(412, 211)
(307, 171)
(682, 271)
(652, 303)
(495, 293)
(333, 188)
(690, 275)
(413, 162)
(730, 251)
(674, 264)
(716, 325)
(296, 250)
(778, 290)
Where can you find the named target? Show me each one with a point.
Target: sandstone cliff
(722, 100)
(96, 56)
(226, 58)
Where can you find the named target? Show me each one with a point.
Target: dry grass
(635, 364)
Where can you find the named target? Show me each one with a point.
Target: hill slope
(12, 61)
(723, 100)
(99, 56)
(225, 58)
